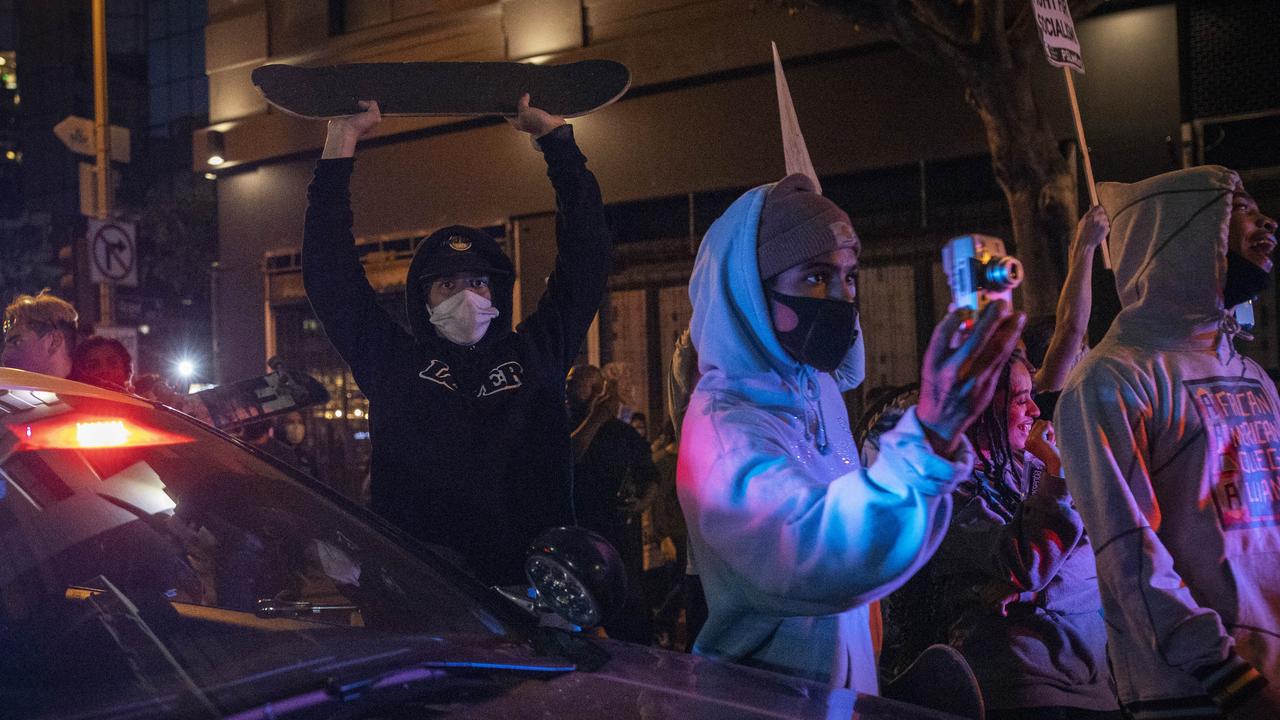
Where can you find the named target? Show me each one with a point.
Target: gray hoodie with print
(1171, 446)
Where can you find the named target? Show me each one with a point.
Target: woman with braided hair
(1013, 586)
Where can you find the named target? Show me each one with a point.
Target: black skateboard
(242, 402)
(443, 88)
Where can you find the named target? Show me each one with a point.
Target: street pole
(102, 141)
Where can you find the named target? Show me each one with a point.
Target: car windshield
(143, 555)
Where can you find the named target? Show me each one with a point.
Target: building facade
(890, 134)
(157, 91)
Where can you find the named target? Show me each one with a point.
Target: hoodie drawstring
(1229, 328)
(812, 395)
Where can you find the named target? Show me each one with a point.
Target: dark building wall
(55, 52)
(57, 76)
(1129, 95)
(1229, 57)
(722, 134)
(8, 25)
(55, 56)
(701, 116)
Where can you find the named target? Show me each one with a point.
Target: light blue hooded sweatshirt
(791, 536)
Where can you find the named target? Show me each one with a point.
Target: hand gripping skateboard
(443, 88)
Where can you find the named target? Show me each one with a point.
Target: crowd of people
(1095, 530)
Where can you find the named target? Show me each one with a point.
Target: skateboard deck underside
(262, 397)
(456, 89)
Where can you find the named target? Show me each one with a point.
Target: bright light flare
(186, 368)
(102, 433)
(92, 433)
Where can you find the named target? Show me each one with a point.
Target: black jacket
(470, 444)
(611, 478)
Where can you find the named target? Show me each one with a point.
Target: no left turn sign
(113, 247)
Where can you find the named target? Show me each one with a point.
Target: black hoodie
(470, 444)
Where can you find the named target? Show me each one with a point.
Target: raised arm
(334, 279)
(833, 544)
(803, 543)
(583, 244)
(1074, 303)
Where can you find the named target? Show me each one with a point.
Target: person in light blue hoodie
(791, 536)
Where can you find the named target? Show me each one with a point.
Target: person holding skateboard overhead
(470, 438)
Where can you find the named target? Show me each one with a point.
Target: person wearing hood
(1170, 443)
(470, 439)
(791, 536)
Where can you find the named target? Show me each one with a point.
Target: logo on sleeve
(1244, 450)
(439, 373)
(507, 376)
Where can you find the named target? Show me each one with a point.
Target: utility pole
(102, 141)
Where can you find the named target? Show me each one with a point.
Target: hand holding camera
(970, 346)
(956, 384)
(979, 273)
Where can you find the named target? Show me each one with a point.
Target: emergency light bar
(91, 433)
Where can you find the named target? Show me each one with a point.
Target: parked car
(152, 567)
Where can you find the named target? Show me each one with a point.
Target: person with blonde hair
(39, 334)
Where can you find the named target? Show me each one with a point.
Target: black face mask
(1245, 280)
(826, 331)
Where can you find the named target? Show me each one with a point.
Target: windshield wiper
(272, 608)
(404, 682)
(108, 615)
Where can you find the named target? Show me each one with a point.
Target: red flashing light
(85, 433)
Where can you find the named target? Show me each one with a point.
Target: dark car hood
(639, 682)
(631, 682)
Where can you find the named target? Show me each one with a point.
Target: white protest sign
(1058, 33)
(1062, 48)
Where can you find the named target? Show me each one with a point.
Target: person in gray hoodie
(792, 537)
(1170, 442)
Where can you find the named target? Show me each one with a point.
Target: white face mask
(464, 318)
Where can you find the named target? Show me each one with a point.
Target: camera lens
(1002, 273)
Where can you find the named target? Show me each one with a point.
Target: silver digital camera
(979, 272)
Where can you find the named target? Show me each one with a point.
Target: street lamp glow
(216, 160)
(186, 368)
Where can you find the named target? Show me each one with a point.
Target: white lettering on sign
(1058, 34)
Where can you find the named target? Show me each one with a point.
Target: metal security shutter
(1228, 56)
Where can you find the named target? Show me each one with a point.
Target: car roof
(11, 379)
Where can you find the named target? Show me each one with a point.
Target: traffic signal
(67, 270)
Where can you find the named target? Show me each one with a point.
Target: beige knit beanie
(796, 224)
